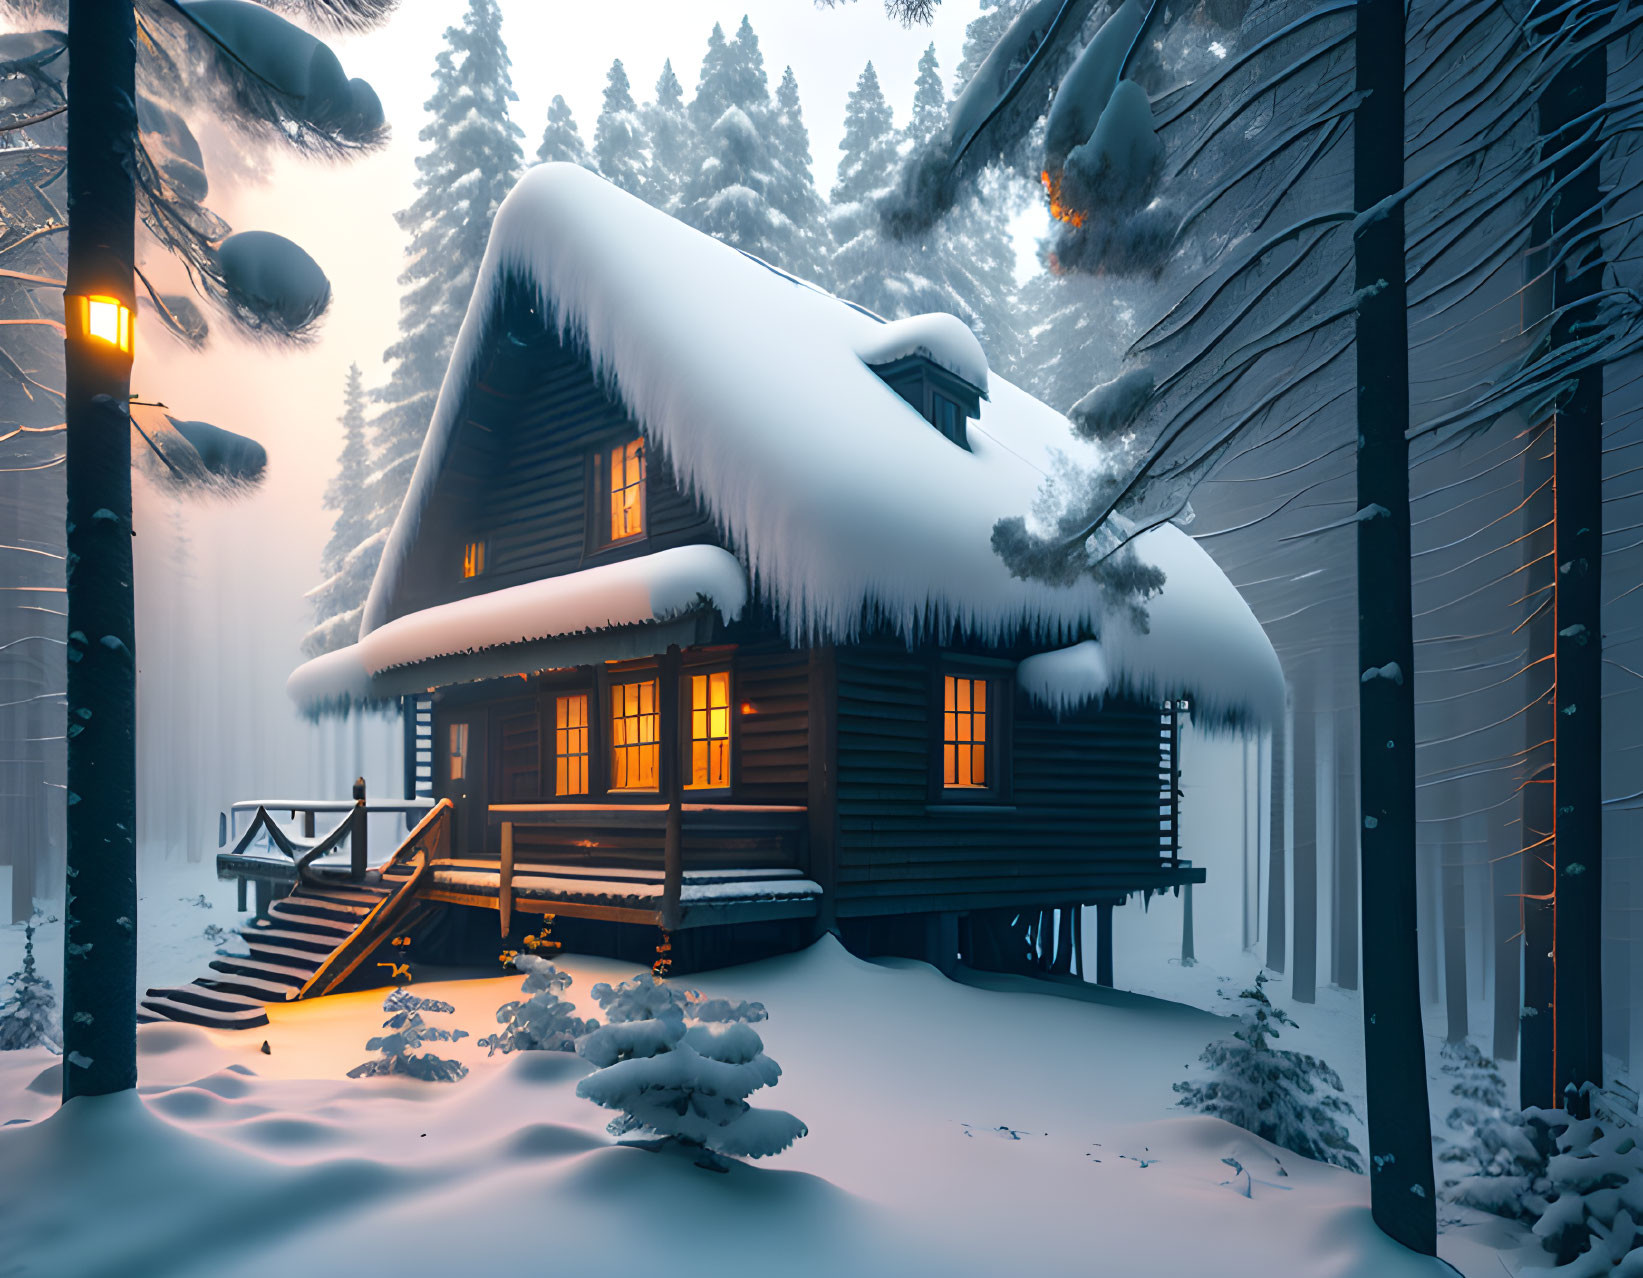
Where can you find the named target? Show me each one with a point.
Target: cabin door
(461, 776)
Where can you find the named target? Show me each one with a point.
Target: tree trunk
(1454, 934)
(1303, 977)
(100, 929)
(1506, 889)
(1577, 847)
(1402, 1198)
(1277, 909)
(1345, 967)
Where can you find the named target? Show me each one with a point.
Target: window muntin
(709, 731)
(473, 558)
(457, 757)
(570, 744)
(635, 736)
(625, 489)
(964, 733)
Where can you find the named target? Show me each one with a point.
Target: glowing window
(570, 744)
(635, 736)
(627, 490)
(459, 751)
(709, 731)
(473, 559)
(964, 734)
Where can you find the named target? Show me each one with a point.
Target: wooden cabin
(694, 593)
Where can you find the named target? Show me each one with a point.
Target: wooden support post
(356, 836)
(308, 824)
(673, 861)
(1188, 957)
(1103, 943)
(504, 886)
(239, 894)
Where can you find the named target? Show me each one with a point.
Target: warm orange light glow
(749, 708)
(473, 560)
(106, 319)
(964, 734)
(1059, 211)
(627, 490)
(709, 731)
(635, 736)
(570, 744)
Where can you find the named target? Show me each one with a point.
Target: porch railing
(306, 849)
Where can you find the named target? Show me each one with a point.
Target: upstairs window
(473, 558)
(635, 736)
(964, 734)
(625, 491)
(570, 744)
(709, 731)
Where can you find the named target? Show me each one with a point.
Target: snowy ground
(953, 1130)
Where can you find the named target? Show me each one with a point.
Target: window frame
(550, 717)
(686, 741)
(999, 676)
(597, 496)
(607, 738)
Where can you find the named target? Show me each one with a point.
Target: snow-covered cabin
(696, 570)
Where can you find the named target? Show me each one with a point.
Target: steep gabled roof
(846, 507)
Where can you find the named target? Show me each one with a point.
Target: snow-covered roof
(651, 588)
(845, 506)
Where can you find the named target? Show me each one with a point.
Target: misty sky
(343, 215)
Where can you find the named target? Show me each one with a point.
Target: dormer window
(942, 398)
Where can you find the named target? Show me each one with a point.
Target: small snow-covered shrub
(28, 1017)
(1489, 1156)
(410, 1032)
(542, 1023)
(687, 1084)
(1289, 1098)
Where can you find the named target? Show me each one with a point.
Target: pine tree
(983, 32)
(542, 1023)
(350, 557)
(672, 144)
(409, 1032)
(685, 1085)
(619, 135)
(793, 192)
(561, 142)
(731, 195)
(1288, 1098)
(470, 161)
(870, 156)
(28, 1017)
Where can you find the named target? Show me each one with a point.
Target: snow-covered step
(256, 987)
(322, 911)
(315, 924)
(308, 942)
(263, 969)
(297, 958)
(213, 1018)
(198, 996)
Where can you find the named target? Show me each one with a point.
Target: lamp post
(100, 903)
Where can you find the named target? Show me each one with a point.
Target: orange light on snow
(1059, 211)
(106, 319)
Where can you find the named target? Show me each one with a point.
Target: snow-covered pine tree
(1289, 1098)
(867, 168)
(688, 1085)
(732, 194)
(794, 190)
(28, 1017)
(544, 1022)
(619, 134)
(983, 32)
(349, 560)
(1489, 1155)
(470, 161)
(408, 1032)
(672, 143)
(561, 140)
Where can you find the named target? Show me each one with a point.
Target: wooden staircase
(312, 940)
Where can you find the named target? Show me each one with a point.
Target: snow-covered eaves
(847, 508)
(648, 589)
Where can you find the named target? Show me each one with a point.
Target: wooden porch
(668, 866)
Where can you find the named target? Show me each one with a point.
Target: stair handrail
(262, 821)
(419, 850)
(353, 825)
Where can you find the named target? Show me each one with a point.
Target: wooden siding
(517, 476)
(1081, 819)
(773, 742)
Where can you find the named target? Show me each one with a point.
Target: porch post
(673, 868)
(1103, 943)
(356, 835)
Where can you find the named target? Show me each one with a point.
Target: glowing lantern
(103, 319)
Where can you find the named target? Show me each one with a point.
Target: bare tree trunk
(1277, 909)
(1303, 978)
(1402, 1198)
(1506, 887)
(100, 927)
(1454, 935)
(1345, 972)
